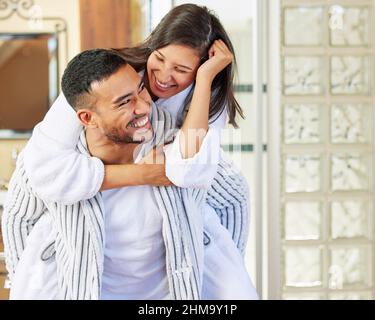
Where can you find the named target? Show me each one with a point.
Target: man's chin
(138, 137)
(143, 136)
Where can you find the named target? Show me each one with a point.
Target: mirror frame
(24, 18)
(53, 77)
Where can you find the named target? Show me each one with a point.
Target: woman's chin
(163, 93)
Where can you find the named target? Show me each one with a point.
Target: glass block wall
(327, 191)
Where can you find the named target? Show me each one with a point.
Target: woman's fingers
(224, 49)
(221, 49)
(219, 57)
(220, 44)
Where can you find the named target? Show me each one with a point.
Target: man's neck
(108, 151)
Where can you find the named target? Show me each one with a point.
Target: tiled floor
(4, 293)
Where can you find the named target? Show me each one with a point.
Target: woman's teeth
(163, 86)
(139, 123)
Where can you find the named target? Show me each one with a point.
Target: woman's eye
(181, 71)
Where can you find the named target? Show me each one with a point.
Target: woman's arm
(192, 159)
(117, 176)
(197, 171)
(195, 126)
(56, 171)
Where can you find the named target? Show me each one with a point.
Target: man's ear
(87, 118)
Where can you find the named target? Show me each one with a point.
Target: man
(137, 242)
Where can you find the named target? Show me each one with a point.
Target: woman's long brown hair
(198, 28)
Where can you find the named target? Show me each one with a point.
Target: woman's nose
(165, 74)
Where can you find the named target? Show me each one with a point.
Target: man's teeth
(140, 123)
(164, 86)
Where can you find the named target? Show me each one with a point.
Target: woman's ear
(87, 118)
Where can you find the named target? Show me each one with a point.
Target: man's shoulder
(164, 126)
(162, 116)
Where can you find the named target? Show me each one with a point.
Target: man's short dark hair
(84, 69)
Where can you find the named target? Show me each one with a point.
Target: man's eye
(123, 103)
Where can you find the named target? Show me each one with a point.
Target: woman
(187, 55)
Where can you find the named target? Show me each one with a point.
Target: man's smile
(139, 123)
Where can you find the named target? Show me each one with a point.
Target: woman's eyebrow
(179, 65)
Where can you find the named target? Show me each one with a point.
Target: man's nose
(143, 106)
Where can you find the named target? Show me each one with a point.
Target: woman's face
(171, 69)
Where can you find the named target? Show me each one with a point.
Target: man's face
(122, 107)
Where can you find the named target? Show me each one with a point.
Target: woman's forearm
(195, 126)
(126, 175)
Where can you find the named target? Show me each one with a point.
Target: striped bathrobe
(79, 243)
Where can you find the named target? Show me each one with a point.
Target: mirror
(29, 81)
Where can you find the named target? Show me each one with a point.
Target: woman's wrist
(204, 79)
(154, 175)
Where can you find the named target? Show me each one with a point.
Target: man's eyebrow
(119, 99)
(179, 65)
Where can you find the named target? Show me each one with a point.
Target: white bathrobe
(134, 265)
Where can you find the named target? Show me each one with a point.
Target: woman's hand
(219, 56)
(154, 175)
(153, 168)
